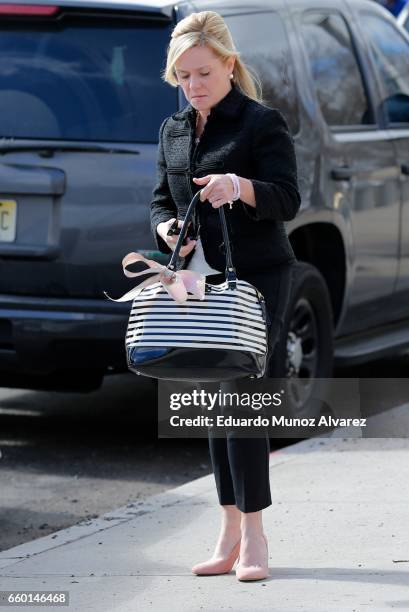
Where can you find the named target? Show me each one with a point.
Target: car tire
(305, 349)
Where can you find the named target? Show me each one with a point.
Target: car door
(359, 181)
(389, 50)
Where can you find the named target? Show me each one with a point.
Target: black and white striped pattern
(226, 318)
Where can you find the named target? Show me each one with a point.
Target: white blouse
(198, 262)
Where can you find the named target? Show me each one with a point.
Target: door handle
(341, 173)
(405, 168)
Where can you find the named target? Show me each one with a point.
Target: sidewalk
(337, 529)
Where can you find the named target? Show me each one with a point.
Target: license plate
(8, 218)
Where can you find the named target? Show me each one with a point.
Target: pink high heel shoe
(253, 572)
(217, 566)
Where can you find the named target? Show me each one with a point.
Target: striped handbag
(220, 335)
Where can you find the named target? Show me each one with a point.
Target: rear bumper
(39, 336)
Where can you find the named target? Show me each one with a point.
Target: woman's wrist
(162, 229)
(236, 186)
(159, 227)
(247, 194)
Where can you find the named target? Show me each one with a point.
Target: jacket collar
(229, 107)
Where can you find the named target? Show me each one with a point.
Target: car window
(390, 52)
(335, 71)
(262, 41)
(87, 78)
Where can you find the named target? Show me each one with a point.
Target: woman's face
(204, 78)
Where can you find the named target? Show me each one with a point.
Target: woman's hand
(163, 228)
(218, 189)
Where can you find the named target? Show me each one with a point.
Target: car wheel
(304, 352)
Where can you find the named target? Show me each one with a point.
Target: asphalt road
(66, 457)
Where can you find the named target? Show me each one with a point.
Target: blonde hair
(209, 28)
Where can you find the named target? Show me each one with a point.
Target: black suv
(81, 105)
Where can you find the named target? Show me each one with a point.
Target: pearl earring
(231, 76)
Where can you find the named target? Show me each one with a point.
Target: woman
(239, 152)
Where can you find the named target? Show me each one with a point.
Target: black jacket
(253, 141)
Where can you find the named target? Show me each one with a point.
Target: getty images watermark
(274, 407)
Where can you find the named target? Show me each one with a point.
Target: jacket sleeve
(275, 180)
(162, 206)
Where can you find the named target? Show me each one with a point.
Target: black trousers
(241, 465)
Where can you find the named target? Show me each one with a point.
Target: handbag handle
(230, 271)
